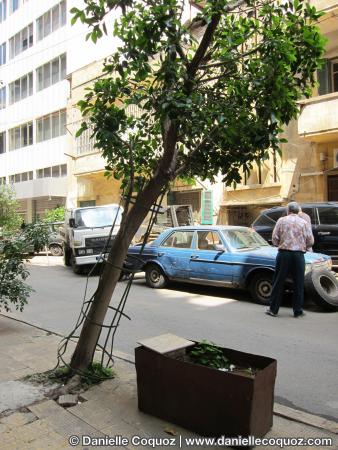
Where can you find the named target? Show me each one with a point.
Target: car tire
(76, 268)
(260, 287)
(155, 278)
(67, 255)
(56, 250)
(322, 287)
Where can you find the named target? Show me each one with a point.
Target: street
(305, 348)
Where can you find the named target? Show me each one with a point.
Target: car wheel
(322, 287)
(260, 287)
(67, 255)
(56, 250)
(155, 277)
(76, 268)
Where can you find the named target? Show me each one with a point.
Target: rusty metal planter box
(207, 401)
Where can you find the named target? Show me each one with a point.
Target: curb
(280, 410)
(303, 417)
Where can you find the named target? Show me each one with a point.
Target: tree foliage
(189, 100)
(222, 101)
(13, 273)
(10, 219)
(55, 215)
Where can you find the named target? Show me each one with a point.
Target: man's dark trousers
(293, 263)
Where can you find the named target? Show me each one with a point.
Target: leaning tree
(212, 93)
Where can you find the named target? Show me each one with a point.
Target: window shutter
(207, 208)
(324, 76)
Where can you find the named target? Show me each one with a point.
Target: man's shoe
(300, 314)
(270, 313)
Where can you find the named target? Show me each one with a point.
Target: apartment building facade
(307, 169)
(38, 49)
(87, 184)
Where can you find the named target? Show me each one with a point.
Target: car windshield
(97, 217)
(244, 239)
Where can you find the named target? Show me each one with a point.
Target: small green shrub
(96, 373)
(208, 354)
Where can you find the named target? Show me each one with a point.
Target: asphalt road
(305, 348)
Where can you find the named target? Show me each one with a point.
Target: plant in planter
(210, 390)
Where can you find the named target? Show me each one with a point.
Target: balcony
(318, 121)
(43, 187)
(324, 5)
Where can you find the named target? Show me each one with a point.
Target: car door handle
(160, 254)
(324, 233)
(193, 257)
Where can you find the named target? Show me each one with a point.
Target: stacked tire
(322, 287)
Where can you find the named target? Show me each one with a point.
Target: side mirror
(219, 248)
(72, 223)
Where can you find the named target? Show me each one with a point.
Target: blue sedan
(229, 256)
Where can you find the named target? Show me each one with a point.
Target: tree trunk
(90, 333)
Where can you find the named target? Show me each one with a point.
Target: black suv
(324, 219)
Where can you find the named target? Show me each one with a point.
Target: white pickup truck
(85, 234)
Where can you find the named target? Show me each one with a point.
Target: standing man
(292, 235)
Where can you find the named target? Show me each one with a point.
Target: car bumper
(89, 259)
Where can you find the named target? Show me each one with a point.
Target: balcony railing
(318, 121)
(43, 187)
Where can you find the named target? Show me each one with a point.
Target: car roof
(304, 205)
(208, 227)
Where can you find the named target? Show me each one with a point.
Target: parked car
(324, 219)
(55, 240)
(228, 256)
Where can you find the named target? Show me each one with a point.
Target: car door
(210, 261)
(174, 253)
(326, 233)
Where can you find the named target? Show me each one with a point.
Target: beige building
(307, 170)
(87, 185)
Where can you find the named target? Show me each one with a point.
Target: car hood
(269, 252)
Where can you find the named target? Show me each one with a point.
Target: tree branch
(193, 152)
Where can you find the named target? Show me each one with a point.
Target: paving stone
(16, 394)
(99, 417)
(68, 400)
(61, 420)
(17, 419)
(45, 409)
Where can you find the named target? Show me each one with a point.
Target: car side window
(328, 216)
(275, 215)
(207, 240)
(179, 239)
(310, 212)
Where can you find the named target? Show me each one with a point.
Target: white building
(38, 50)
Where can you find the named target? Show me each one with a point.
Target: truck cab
(88, 234)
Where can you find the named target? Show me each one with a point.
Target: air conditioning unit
(335, 157)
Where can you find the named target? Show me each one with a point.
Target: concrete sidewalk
(30, 421)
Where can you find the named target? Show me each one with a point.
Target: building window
(276, 166)
(21, 88)
(3, 142)
(13, 5)
(3, 10)
(335, 75)
(3, 54)
(85, 143)
(52, 20)
(3, 97)
(21, 136)
(21, 41)
(327, 77)
(51, 72)
(51, 126)
(2, 181)
(52, 172)
(19, 177)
